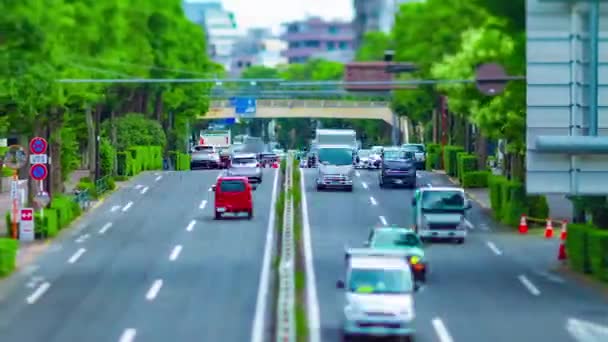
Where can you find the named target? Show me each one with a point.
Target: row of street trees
(447, 39)
(44, 42)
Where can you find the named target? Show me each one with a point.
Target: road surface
(495, 287)
(149, 264)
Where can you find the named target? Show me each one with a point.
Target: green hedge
(47, 225)
(8, 256)
(139, 158)
(433, 148)
(598, 253)
(577, 247)
(466, 162)
(180, 160)
(509, 201)
(450, 161)
(432, 161)
(475, 179)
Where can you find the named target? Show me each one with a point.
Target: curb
(582, 279)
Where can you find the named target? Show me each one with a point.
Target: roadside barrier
(561, 253)
(285, 324)
(564, 232)
(523, 225)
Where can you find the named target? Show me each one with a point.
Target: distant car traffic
(204, 157)
(401, 239)
(379, 301)
(245, 165)
(419, 154)
(397, 168)
(233, 195)
(267, 159)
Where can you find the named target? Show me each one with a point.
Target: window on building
(239, 64)
(293, 28)
(313, 43)
(331, 46)
(334, 29)
(343, 45)
(294, 45)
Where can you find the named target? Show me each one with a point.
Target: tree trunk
(55, 124)
(481, 150)
(91, 146)
(436, 124)
(158, 105)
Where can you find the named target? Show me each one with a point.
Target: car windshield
(397, 155)
(390, 239)
(336, 156)
(364, 153)
(415, 148)
(443, 200)
(232, 186)
(380, 281)
(244, 161)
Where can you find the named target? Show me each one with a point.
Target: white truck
(217, 138)
(335, 150)
(336, 137)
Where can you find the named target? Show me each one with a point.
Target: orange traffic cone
(549, 229)
(561, 254)
(564, 232)
(523, 225)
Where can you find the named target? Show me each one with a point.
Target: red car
(233, 195)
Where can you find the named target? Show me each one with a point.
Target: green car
(401, 239)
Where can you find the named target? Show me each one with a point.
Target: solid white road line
(158, 178)
(493, 247)
(144, 190)
(383, 220)
(105, 228)
(528, 284)
(76, 255)
(441, 330)
(312, 301)
(127, 207)
(468, 224)
(38, 293)
(128, 335)
(373, 200)
(364, 185)
(191, 225)
(258, 327)
(203, 204)
(154, 289)
(175, 253)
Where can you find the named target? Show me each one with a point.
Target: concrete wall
(557, 95)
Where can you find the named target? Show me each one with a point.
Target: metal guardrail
(285, 324)
(307, 104)
(101, 185)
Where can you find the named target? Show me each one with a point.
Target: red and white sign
(27, 214)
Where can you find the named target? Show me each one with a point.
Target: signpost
(245, 105)
(26, 226)
(39, 172)
(15, 158)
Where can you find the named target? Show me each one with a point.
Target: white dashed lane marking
(154, 289)
(127, 207)
(41, 290)
(76, 255)
(105, 228)
(528, 284)
(383, 220)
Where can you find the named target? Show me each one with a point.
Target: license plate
(221, 210)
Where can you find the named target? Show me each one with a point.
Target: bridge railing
(308, 104)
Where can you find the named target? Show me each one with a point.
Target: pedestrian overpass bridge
(334, 109)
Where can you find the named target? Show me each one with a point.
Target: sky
(271, 13)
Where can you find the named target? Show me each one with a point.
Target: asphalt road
(149, 264)
(497, 286)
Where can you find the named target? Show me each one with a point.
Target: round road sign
(42, 198)
(38, 145)
(491, 78)
(16, 157)
(38, 171)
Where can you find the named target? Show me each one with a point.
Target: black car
(398, 168)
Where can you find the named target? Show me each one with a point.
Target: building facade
(375, 15)
(317, 38)
(258, 47)
(219, 26)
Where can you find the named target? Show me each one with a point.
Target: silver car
(245, 165)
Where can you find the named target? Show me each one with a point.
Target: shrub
(450, 161)
(513, 202)
(598, 253)
(433, 148)
(107, 155)
(8, 255)
(432, 161)
(475, 179)
(538, 206)
(577, 247)
(87, 186)
(495, 185)
(466, 162)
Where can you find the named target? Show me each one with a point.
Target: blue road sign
(39, 171)
(229, 121)
(38, 145)
(245, 105)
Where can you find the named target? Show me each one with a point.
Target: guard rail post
(285, 324)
